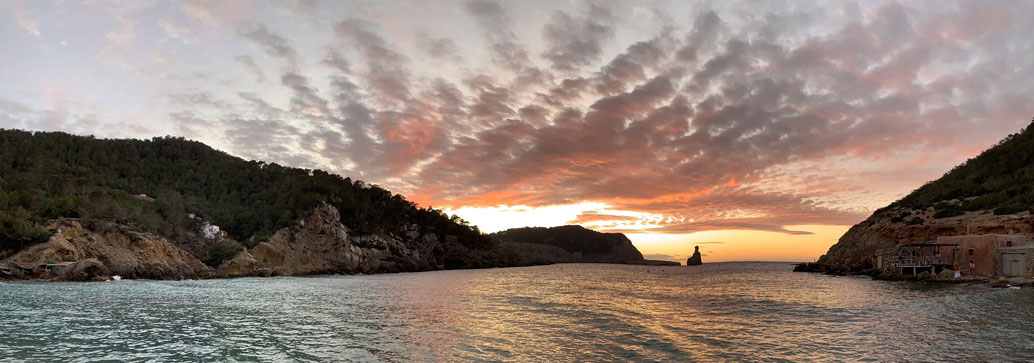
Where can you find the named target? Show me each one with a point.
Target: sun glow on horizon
(740, 245)
(498, 218)
(719, 245)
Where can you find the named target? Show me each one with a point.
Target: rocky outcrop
(316, 244)
(321, 244)
(574, 244)
(112, 249)
(886, 228)
(695, 259)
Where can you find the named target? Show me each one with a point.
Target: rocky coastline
(317, 244)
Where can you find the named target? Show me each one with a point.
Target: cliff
(111, 249)
(991, 193)
(573, 244)
(321, 244)
(317, 244)
(169, 208)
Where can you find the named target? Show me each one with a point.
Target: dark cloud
(574, 42)
(438, 48)
(387, 74)
(685, 124)
(273, 44)
(497, 29)
(337, 62)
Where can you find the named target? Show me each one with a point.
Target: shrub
(1008, 209)
(947, 213)
(221, 251)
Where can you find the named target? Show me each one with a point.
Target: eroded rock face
(317, 244)
(695, 259)
(113, 250)
(321, 244)
(855, 248)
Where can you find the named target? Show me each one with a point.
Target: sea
(737, 311)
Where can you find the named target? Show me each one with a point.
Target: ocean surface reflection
(571, 312)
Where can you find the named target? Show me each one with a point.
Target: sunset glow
(757, 131)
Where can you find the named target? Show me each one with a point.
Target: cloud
(438, 48)
(577, 41)
(125, 32)
(249, 63)
(174, 31)
(26, 23)
(272, 43)
(722, 118)
(497, 25)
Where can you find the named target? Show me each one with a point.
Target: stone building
(983, 250)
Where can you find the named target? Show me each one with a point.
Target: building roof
(23, 265)
(930, 244)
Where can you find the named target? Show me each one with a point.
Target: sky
(757, 130)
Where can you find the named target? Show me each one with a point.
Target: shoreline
(998, 282)
(107, 278)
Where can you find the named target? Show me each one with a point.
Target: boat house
(1007, 255)
(983, 251)
(916, 258)
(22, 268)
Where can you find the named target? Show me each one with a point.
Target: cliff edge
(990, 193)
(573, 244)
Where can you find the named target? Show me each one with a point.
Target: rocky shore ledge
(316, 244)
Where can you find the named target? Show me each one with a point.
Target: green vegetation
(50, 175)
(221, 251)
(571, 238)
(1000, 179)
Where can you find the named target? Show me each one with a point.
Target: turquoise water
(569, 312)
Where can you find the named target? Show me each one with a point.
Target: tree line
(50, 175)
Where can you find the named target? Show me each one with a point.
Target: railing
(904, 261)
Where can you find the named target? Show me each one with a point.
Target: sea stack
(695, 258)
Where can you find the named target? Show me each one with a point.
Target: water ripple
(725, 312)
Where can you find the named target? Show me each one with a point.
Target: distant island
(981, 212)
(573, 244)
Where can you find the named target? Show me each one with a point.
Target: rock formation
(990, 193)
(573, 244)
(112, 249)
(694, 260)
(321, 244)
(317, 244)
(854, 250)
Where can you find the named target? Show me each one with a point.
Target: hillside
(990, 193)
(209, 203)
(573, 244)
